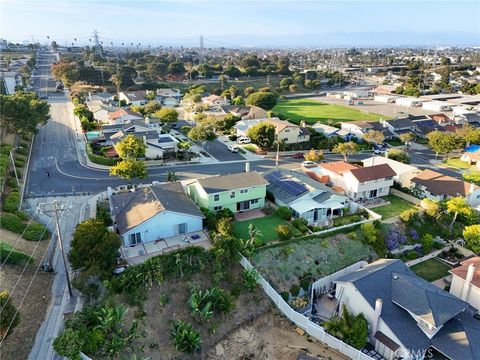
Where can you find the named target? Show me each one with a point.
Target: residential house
(409, 318)
(360, 128)
(284, 131)
(154, 213)
(123, 116)
(308, 199)
(255, 112)
(102, 96)
(404, 172)
(359, 183)
(437, 186)
(420, 125)
(237, 192)
(329, 131)
(101, 110)
(138, 97)
(471, 158)
(466, 281)
(213, 99)
(169, 97)
(132, 126)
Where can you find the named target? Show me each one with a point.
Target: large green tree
(129, 169)
(265, 100)
(131, 147)
(9, 317)
(398, 155)
(346, 149)
(167, 115)
(93, 246)
(66, 71)
(262, 134)
(458, 205)
(442, 142)
(22, 112)
(202, 133)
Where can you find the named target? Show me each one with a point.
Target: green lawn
(431, 269)
(456, 163)
(395, 142)
(344, 220)
(313, 111)
(266, 225)
(395, 207)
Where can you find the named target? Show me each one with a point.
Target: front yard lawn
(431, 269)
(395, 207)
(458, 164)
(266, 225)
(312, 111)
(395, 142)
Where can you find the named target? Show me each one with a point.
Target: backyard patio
(139, 253)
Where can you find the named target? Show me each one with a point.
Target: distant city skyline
(245, 23)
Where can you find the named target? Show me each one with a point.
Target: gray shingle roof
(216, 184)
(133, 208)
(459, 338)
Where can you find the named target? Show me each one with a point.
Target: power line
(26, 265)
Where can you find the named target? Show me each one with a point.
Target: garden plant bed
(313, 111)
(431, 269)
(284, 265)
(395, 208)
(266, 225)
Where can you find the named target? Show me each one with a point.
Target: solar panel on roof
(274, 175)
(291, 186)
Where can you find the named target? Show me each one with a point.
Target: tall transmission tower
(98, 48)
(202, 48)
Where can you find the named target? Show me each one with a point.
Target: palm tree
(457, 205)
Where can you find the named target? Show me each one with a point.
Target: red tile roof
(461, 271)
(338, 167)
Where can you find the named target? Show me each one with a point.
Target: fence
(406, 197)
(323, 285)
(303, 322)
(426, 257)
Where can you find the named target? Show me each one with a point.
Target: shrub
(186, 129)
(284, 212)
(5, 149)
(300, 224)
(408, 215)
(14, 257)
(295, 290)
(12, 222)
(305, 283)
(19, 163)
(9, 317)
(21, 151)
(12, 183)
(427, 243)
(36, 232)
(284, 232)
(11, 202)
(102, 160)
(19, 173)
(285, 295)
(233, 137)
(412, 255)
(185, 338)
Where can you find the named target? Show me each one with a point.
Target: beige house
(213, 99)
(466, 281)
(284, 131)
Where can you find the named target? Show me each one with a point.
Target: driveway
(220, 151)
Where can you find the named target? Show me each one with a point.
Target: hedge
(14, 257)
(12, 183)
(13, 223)
(102, 160)
(5, 149)
(21, 151)
(11, 202)
(19, 163)
(3, 164)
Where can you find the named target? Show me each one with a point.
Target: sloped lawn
(266, 226)
(395, 208)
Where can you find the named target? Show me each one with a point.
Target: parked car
(244, 140)
(297, 156)
(309, 164)
(233, 148)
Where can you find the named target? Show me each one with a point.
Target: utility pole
(60, 244)
(201, 60)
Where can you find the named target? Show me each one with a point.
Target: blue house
(154, 213)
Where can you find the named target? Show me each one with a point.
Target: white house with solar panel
(307, 198)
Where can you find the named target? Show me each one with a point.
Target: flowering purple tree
(414, 235)
(394, 239)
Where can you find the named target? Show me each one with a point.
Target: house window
(216, 197)
(244, 191)
(217, 208)
(380, 190)
(134, 239)
(364, 193)
(389, 178)
(285, 139)
(232, 194)
(182, 228)
(254, 201)
(287, 130)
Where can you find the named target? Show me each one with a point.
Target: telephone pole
(60, 244)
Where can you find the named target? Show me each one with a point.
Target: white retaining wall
(303, 322)
(323, 285)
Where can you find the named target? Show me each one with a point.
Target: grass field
(458, 164)
(431, 269)
(395, 207)
(266, 225)
(313, 111)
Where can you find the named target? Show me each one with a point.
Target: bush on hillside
(284, 212)
(11, 202)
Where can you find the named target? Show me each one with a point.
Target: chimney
(468, 280)
(376, 317)
(147, 120)
(89, 96)
(247, 167)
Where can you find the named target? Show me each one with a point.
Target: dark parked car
(298, 156)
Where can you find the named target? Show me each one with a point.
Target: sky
(244, 23)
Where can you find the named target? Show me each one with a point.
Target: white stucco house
(284, 131)
(153, 213)
(138, 97)
(437, 186)
(409, 318)
(466, 281)
(404, 172)
(359, 183)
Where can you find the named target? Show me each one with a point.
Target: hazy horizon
(245, 24)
